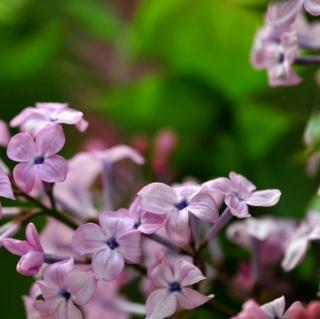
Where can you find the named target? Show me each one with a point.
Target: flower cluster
(92, 249)
(279, 45)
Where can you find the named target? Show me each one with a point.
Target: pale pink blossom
(30, 250)
(5, 188)
(112, 244)
(37, 157)
(64, 290)
(33, 119)
(29, 300)
(172, 288)
(177, 203)
(300, 241)
(4, 133)
(241, 193)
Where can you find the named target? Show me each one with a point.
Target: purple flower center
(112, 243)
(281, 58)
(174, 286)
(38, 160)
(65, 294)
(137, 224)
(181, 205)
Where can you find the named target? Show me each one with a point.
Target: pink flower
(33, 119)
(271, 310)
(301, 240)
(239, 193)
(111, 244)
(37, 157)
(30, 250)
(29, 300)
(177, 203)
(5, 188)
(285, 12)
(63, 290)
(172, 288)
(4, 133)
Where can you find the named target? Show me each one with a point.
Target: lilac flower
(111, 244)
(37, 157)
(64, 290)
(30, 250)
(33, 119)
(275, 50)
(172, 290)
(308, 33)
(29, 300)
(177, 203)
(241, 193)
(5, 188)
(301, 240)
(4, 133)
(144, 222)
(271, 310)
(272, 234)
(286, 11)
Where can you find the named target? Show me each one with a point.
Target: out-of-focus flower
(177, 203)
(7, 230)
(30, 250)
(275, 50)
(33, 119)
(142, 220)
(300, 240)
(273, 235)
(286, 11)
(29, 300)
(172, 288)
(64, 290)
(272, 310)
(241, 193)
(4, 133)
(5, 188)
(37, 157)
(112, 244)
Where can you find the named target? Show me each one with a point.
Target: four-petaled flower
(37, 157)
(177, 202)
(30, 250)
(239, 193)
(33, 119)
(64, 290)
(172, 288)
(111, 245)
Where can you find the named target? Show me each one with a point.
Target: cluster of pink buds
(164, 243)
(286, 35)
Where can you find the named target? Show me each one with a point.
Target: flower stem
(307, 60)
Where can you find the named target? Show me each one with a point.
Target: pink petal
(107, 264)
(32, 237)
(295, 253)
(295, 308)
(22, 116)
(22, 148)
(5, 186)
(240, 183)
(30, 263)
(160, 273)
(49, 307)
(283, 12)
(251, 310)
(57, 273)
(221, 184)
(161, 304)
(50, 140)
(69, 116)
(130, 247)
(82, 125)
(4, 133)
(24, 175)
(16, 247)
(204, 207)
(48, 292)
(119, 152)
(274, 308)
(54, 169)
(189, 298)
(178, 228)
(158, 198)
(264, 198)
(82, 287)
(150, 223)
(73, 312)
(88, 239)
(312, 6)
(186, 273)
(113, 225)
(237, 207)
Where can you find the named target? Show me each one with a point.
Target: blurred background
(137, 68)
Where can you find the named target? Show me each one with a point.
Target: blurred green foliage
(146, 65)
